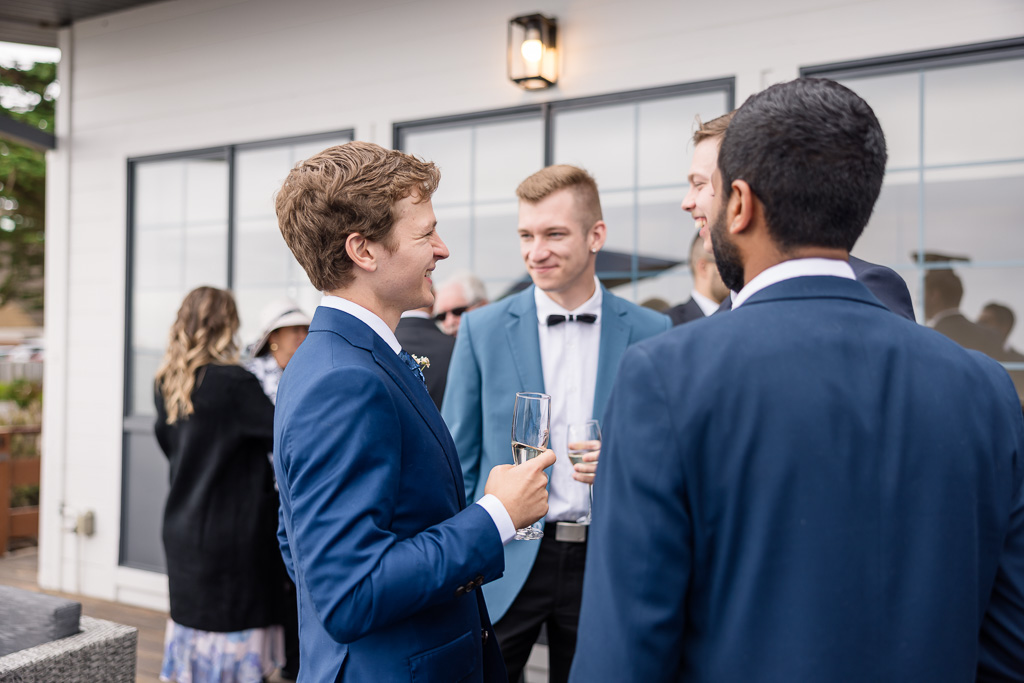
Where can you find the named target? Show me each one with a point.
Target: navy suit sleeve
(633, 611)
(462, 408)
(343, 451)
(1002, 631)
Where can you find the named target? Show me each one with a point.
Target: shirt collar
(416, 313)
(787, 270)
(366, 315)
(546, 306)
(707, 305)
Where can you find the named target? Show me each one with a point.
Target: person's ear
(596, 237)
(359, 250)
(741, 209)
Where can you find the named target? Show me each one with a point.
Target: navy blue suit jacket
(832, 494)
(375, 531)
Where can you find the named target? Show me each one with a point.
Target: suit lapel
(416, 390)
(614, 340)
(524, 341)
(359, 334)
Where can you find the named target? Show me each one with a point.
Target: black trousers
(551, 595)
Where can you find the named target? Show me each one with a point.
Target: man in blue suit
(563, 336)
(856, 512)
(885, 283)
(375, 531)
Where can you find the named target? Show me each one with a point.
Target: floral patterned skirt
(193, 656)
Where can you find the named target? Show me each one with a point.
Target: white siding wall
(187, 74)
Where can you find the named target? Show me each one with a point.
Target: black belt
(569, 532)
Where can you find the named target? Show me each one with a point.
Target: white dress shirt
(568, 354)
(786, 270)
(490, 503)
(707, 306)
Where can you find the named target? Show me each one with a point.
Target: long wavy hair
(204, 333)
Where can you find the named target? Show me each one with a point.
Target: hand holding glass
(531, 423)
(583, 438)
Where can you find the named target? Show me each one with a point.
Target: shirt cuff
(500, 517)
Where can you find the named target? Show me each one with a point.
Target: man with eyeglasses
(460, 293)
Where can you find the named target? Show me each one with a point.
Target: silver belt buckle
(570, 532)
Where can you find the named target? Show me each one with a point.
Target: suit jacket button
(461, 590)
(479, 581)
(484, 635)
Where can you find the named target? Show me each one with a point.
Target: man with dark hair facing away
(857, 513)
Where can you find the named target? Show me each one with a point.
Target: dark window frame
(142, 424)
(547, 110)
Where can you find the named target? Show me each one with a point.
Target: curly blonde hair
(204, 333)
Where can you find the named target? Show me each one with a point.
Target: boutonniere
(421, 361)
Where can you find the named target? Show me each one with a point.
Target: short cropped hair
(814, 154)
(1000, 314)
(944, 288)
(549, 180)
(345, 190)
(713, 129)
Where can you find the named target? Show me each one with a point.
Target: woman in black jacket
(224, 568)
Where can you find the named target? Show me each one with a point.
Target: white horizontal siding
(189, 74)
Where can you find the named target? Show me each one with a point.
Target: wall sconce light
(532, 56)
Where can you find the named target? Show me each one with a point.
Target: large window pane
(973, 113)
(975, 211)
(640, 154)
(452, 150)
(482, 162)
(180, 242)
(896, 101)
(601, 140)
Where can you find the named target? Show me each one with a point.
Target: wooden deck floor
(18, 568)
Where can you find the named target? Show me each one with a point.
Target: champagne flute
(578, 434)
(531, 422)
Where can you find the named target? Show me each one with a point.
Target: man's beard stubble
(727, 256)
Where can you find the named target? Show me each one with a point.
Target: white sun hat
(278, 313)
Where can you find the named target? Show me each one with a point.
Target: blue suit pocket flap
(454, 661)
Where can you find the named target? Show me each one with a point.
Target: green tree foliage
(26, 95)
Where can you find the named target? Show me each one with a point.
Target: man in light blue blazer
(562, 336)
(832, 493)
(375, 531)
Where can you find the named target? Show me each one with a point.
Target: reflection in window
(949, 214)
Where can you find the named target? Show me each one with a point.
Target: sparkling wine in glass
(531, 423)
(579, 433)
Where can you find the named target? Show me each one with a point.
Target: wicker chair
(44, 639)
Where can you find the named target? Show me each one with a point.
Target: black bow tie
(581, 318)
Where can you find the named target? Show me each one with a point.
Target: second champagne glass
(579, 433)
(531, 423)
